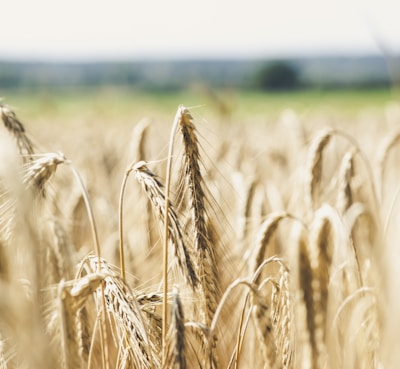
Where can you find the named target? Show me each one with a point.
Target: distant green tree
(277, 75)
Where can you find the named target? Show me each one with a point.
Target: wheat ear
(264, 324)
(176, 347)
(138, 153)
(75, 334)
(155, 192)
(321, 244)
(205, 263)
(137, 145)
(245, 212)
(282, 319)
(39, 171)
(266, 231)
(4, 263)
(69, 343)
(346, 173)
(390, 142)
(16, 128)
(59, 251)
(122, 305)
(305, 277)
(314, 167)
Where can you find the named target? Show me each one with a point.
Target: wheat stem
(120, 223)
(166, 230)
(97, 250)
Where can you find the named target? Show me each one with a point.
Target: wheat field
(192, 243)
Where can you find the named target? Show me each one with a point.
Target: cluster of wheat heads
(305, 276)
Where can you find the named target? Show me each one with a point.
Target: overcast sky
(131, 29)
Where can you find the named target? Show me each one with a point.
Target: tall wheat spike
(203, 250)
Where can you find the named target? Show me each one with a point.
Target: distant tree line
(266, 75)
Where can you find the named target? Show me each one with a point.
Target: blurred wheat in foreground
(278, 253)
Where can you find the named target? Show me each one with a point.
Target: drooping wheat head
(154, 190)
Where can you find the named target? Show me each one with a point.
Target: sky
(79, 30)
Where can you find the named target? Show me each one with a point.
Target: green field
(115, 104)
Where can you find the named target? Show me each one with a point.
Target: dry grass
(308, 279)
